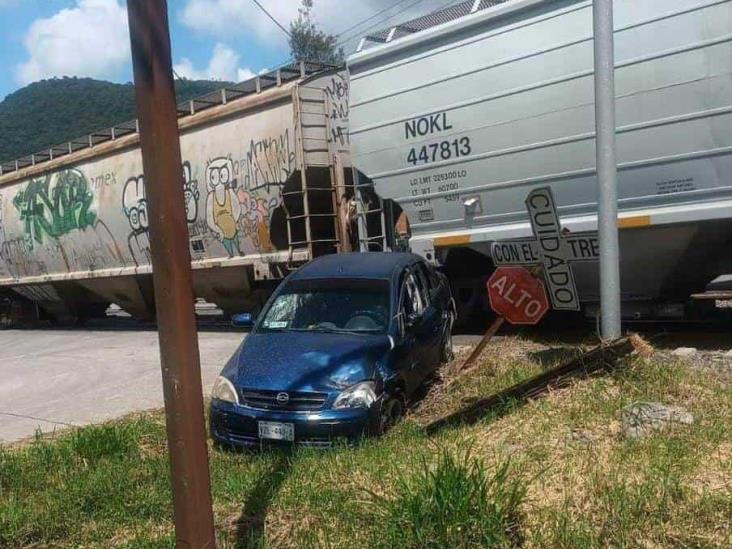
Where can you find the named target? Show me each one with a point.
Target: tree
(309, 43)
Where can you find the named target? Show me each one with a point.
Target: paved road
(50, 379)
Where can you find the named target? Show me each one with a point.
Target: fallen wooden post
(490, 332)
(601, 358)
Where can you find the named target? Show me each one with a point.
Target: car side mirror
(413, 320)
(242, 320)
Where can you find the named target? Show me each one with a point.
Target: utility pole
(607, 174)
(171, 261)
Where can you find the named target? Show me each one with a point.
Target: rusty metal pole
(179, 356)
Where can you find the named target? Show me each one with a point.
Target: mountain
(53, 111)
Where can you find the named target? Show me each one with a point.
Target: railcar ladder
(353, 206)
(304, 233)
(370, 218)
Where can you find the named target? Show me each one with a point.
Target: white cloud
(245, 74)
(90, 39)
(228, 18)
(223, 65)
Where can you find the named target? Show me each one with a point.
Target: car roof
(377, 265)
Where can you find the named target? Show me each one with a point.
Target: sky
(217, 39)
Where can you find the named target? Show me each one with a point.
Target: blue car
(336, 353)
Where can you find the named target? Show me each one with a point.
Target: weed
(455, 503)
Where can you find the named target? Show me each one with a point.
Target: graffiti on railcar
(4, 266)
(222, 204)
(256, 215)
(242, 195)
(2, 228)
(191, 193)
(58, 225)
(336, 94)
(53, 210)
(268, 162)
(20, 259)
(134, 205)
(95, 216)
(16, 254)
(135, 208)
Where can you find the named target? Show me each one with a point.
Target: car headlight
(224, 390)
(360, 395)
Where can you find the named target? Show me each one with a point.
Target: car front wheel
(392, 410)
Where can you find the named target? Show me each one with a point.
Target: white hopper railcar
(456, 116)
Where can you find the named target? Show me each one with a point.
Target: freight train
(438, 128)
(262, 163)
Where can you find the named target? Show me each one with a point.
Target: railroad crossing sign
(517, 295)
(549, 248)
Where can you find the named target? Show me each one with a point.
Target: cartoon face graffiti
(222, 205)
(134, 204)
(220, 172)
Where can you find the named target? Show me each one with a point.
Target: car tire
(392, 411)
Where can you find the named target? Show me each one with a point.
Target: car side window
(413, 295)
(412, 302)
(423, 284)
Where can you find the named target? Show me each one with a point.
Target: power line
(380, 22)
(344, 31)
(261, 7)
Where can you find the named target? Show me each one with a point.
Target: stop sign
(517, 295)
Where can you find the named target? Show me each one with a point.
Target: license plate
(276, 431)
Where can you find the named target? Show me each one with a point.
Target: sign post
(607, 176)
(171, 261)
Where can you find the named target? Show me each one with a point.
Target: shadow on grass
(603, 358)
(424, 389)
(250, 524)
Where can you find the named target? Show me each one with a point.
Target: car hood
(297, 361)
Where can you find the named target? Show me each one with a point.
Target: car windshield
(330, 307)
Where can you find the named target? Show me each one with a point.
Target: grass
(554, 472)
(455, 503)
